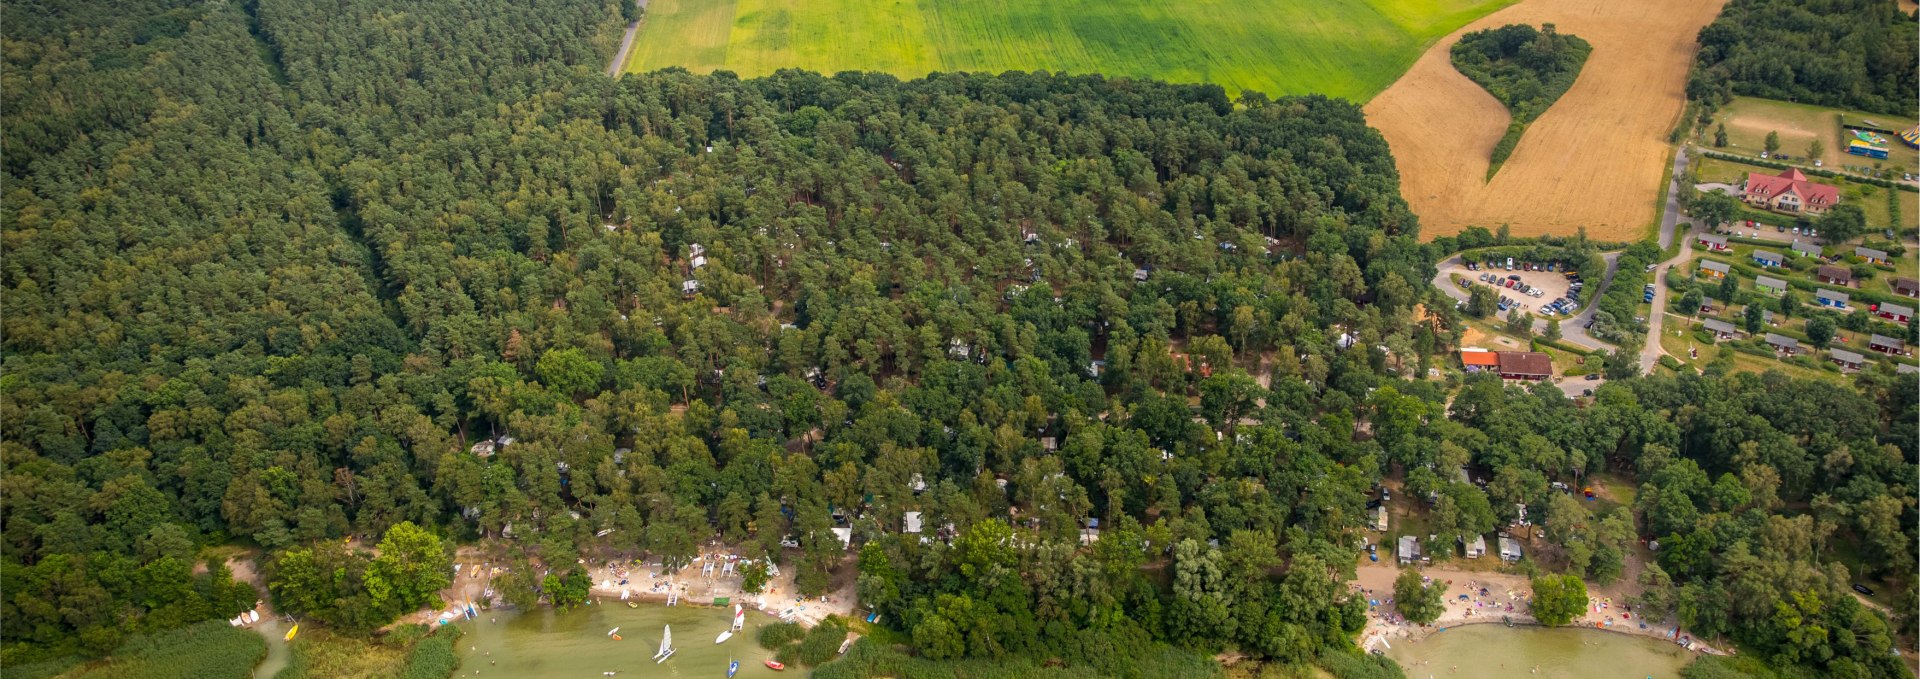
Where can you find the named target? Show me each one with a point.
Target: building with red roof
(1476, 360)
(1789, 191)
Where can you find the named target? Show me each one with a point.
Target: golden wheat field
(1595, 159)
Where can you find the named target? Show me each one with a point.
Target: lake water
(275, 632)
(545, 643)
(1500, 651)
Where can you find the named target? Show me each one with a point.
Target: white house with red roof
(1789, 191)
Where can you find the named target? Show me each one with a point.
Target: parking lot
(1784, 233)
(1527, 287)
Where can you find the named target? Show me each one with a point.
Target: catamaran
(739, 617)
(666, 646)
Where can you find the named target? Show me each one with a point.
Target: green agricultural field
(1346, 48)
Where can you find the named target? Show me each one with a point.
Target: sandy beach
(626, 580)
(1490, 597)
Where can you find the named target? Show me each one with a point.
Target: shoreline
(649, 584)
(1423, 632)
(1375, 583)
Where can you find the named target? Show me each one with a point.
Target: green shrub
(780, 634)
(1719, 667)
(822, 642)
(870, 660)
(1670, 362)
(434, 656)
(207, 649)
(1353, 665)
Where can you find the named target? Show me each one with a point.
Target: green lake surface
(275, 632)
(546, 643)
(1499, 651)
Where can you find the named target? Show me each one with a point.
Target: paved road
(1672, 214)
(626, 42)
(1669, 221)
(1575, 329)
(1572, 330)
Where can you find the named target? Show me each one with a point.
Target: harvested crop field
(1345, 48)
(1595, 159)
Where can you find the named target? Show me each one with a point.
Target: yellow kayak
(291, 632)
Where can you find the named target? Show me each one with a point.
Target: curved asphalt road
(1650, 353)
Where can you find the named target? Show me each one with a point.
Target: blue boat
(732, 667)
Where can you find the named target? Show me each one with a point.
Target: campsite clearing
(1593, 160)
(1344, 48)
(1749, 119)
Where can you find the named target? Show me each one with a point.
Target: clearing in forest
(1749, 119)
(1595, 159)
(1345, 48)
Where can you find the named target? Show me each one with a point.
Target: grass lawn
(1748, 121)
(1344, 48)
(1677, 345)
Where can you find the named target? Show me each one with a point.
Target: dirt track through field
(1594, 159)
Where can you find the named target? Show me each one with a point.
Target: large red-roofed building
(1789, 191)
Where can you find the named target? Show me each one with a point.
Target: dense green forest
(1854, 54)
(273, 269)
(1527, 69)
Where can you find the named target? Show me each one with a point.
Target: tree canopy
(1851, 54)
(283, 274)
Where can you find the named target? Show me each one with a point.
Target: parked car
(1863, 589)
(1592, 377)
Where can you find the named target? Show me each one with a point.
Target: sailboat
(739, 617)
(666, 646)
(291, 632)
(724, 636)
(733, 666)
